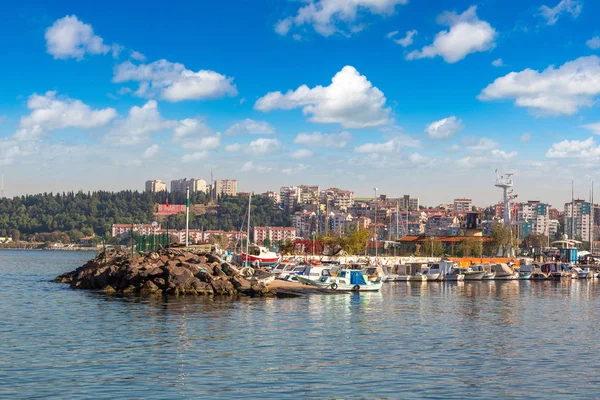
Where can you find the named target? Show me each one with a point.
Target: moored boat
(346, 280)
(471, 275)
(504, 272)
(454, 275)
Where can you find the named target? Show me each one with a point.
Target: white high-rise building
(577, 224)
(226, 187)
(155, 186)
(195, 185)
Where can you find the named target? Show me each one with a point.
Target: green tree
(432, 246)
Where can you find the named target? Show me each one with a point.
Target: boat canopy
(357, 278)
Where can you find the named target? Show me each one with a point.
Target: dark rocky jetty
(170, 272)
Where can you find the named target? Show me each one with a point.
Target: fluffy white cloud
(190, 128)
(136, 55)
(454, 148)
(151, 151)
(467, 34)
(12, 150)
(173, 82)
(393, 145)
(586, 149)
(335, 16)
(301, 153)
(294, 170)
(562, 90)
(203, 143)
(251, 167)
(444, 128)
(140, 122)
(595, 128)
(526, 137)
(491, 158)
(251, 127)
(50, 113)
(318, 139)
(233, 148)
(406, 41)
(594, 43)
(197, 156)
(551, 14)
(498, 63)
(351, 100)
(68, 37)
(480, 144)
(263, 146)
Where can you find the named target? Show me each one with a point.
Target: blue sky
(428, 98)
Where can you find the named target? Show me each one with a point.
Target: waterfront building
(273, 234)
(226, 187)
(195, 185)
(577, 220)
(533, 217)
(156, 186)
(122, 230)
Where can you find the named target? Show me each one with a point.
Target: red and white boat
(262, 255)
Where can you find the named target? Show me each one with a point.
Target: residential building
(577, 220)
(305, 223)
(195, 185)
(289, 196)
(309, 194)
(442, 226)
(275, 196)
(410, 203)
(273, 234)
(122, 230)
(462, 206)
(553, 225)
(339, 199)
(156, 186)
(226, 187)
(533, 217)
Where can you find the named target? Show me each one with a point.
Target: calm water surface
(429, 340)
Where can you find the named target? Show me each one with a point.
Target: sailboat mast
(248, 228)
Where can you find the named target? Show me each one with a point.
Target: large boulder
(223, 287)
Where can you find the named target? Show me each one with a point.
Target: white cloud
(197, 156)
(328, 17)
(391, 146)
(136, 55)
(190, 128)
(525, 137)
(392, 34)
(480, 144)
(251, 127)
(498, 63)
(151, 151)
(351, 100)
(50, 113)
(233, 148)
(467, 34)
(251, 167)
(203, 143)
(454, 148)
(406, 40)
(594, 128)
(68, 37)
(294, 170)
(263, 146)
(594, 43)
(301, 153)
(318, 139)
(420, 160)
(444, 128)
(12, 150)
(491, 158)
(173, 82)
(140, 122)
(562, 90)
(586, 149)
(551, 14)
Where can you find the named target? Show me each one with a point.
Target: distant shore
(43, 246)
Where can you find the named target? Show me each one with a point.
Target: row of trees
(67, 217)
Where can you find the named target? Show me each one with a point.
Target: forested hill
(83, 214)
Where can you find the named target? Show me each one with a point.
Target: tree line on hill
(67, 217)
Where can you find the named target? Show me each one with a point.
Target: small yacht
(504, 272)
(436, 271)
(454, 275)
(472, 275)
(582, 273)
(489, 274)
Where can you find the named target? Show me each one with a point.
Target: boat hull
(454, 278)
(474, 276)
(342, 287)
(525, 275)
(434, 277)
(263, 261)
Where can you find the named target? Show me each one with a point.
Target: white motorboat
(454, 275)
(504, 272)
(436, 271)
(349, 280)
(582, 273)
(489, 274)
(471, 275)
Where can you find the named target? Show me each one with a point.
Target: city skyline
(390, 94)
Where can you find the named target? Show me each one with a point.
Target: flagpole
(187, 216)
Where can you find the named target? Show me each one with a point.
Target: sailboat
(254, 255)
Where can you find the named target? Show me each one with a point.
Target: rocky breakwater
(170, 272)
